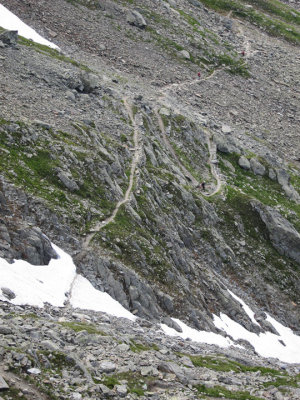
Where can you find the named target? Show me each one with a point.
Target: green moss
(226, 365)
(80, 326)
(138, 347)
(290, 381)
(274, 26)
(135, 381)
(220, 391)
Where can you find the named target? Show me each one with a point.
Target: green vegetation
(291, 381)
(138, 347)
(126, 233)
(80, 326)
(279, 25)
(261, 188)
(136, 383)
(27, 161)
(220, 391)
(48, 51)
(224, 364)
(242, 188)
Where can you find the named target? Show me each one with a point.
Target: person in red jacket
(199, 74)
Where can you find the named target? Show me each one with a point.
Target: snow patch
(85, 296)
(246, 308)
(265, 344)
(197, 336)
(10, 21)
(36, 285)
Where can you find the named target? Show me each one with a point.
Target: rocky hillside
(104, 146)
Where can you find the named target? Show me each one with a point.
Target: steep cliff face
(104, 147)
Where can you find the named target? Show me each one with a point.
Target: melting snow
(246, 308)
(266, 344)
(35, 285)
(85, 296)
(197, 336)
(10, 21)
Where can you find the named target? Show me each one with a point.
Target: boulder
(283, 235)
(67, 182)
(244, 163)
(272, 174)
(226, 145)
(89, 81)
(133, 17)
(283, 177)
(9, 294)
(10, 38)
(257, 167)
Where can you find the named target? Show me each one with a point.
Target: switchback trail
(211, 146)
(212, 157)
(135, 160)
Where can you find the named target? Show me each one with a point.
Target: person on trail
(243, 53)
(199, 74)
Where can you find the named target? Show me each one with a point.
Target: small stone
(34, 371)
(4, 330)
(184, 54)
(121, 390)
(76, 396)
(107, 366)
(226, 129)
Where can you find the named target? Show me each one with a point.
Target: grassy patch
(136, 383)
(220, 391)
(138, 347)
(80, 326)
(279, 25)
(227, 365)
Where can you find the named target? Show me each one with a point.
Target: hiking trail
(212, 148)
(135, 160)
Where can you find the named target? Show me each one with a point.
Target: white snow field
(10, 21)
(58, 282)
(35, 285)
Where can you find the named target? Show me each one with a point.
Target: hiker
(202, 185)
(243, 53)
(199, 74)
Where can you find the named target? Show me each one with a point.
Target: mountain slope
(104, 147)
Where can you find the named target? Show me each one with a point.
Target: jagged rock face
(68, 142)
(283, 235)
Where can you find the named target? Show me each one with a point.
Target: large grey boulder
(226, 145)
(257, 167)
(84, 82)
(244, 163)
(10, 38)
(89, 81)
(67, 182)
(283, 235)
(133, 17)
